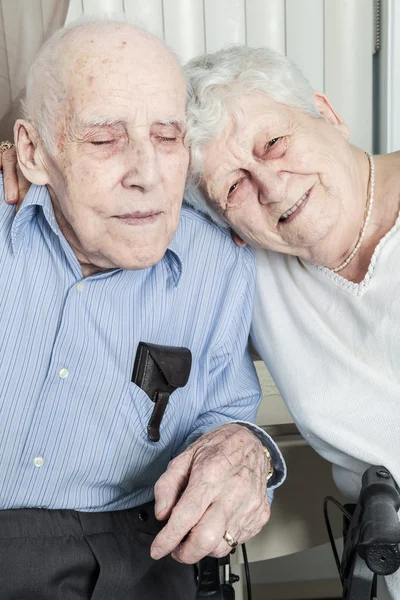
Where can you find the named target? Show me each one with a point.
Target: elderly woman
(273, 161)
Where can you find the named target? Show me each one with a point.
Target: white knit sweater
(333, 349)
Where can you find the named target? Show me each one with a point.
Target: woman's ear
(237, 239)
(30, 153)
(326, 109)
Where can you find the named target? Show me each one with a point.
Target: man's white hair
(45, 87)
(215, 80)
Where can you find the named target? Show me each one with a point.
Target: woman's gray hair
(215, 80)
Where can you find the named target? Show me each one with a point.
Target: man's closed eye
(102, 142)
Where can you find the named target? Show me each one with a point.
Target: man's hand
(218, 484)
(15, 184)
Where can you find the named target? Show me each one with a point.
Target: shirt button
(38, 461)
(80, 287)
(63, 373)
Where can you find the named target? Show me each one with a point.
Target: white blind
(389, 77)
(330, 40)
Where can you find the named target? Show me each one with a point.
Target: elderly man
(100, 260)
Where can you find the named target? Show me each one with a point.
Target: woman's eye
(232, 188)
(167, 139)
(272, 143)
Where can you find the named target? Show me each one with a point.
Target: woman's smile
(296, 209)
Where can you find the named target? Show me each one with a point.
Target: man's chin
(139, 260)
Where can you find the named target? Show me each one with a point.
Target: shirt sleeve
(233, 391)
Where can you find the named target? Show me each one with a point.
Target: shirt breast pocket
(137, 409)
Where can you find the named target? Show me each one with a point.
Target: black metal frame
(371, 544)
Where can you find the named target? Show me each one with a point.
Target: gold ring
(230, 540)
(5, 146)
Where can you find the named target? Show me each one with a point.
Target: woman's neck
(383, 216)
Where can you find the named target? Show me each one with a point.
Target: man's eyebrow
(179, 123)
(99, 121)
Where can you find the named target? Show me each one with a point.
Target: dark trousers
(69, 555)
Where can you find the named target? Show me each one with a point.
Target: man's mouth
(139, 218)
(290, 214)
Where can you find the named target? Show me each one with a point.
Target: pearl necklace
(367, 216)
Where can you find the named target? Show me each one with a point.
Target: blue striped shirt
(73, 425)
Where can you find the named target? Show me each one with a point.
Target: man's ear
(237, 239)
(30, 153)
(326, 109)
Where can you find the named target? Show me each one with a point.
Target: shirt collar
(173, 256)
(38, 196)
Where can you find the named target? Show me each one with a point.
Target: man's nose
(143, 169)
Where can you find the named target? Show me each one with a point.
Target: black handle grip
(380, 534)
(209, 585)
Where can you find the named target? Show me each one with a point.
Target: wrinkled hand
(15, 184)
(223, 481)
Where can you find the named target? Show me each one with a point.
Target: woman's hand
(15, 184)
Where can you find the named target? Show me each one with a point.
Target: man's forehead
(119, 45)
(111, 106)
(121, 77)
(124, 82)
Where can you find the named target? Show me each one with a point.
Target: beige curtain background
(24, 26)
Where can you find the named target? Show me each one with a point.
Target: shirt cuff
(279, 475)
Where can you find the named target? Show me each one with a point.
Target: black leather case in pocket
(159, 371)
